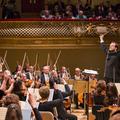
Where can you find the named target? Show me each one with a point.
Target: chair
(46, 115)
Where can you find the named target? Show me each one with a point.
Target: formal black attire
(112, 65)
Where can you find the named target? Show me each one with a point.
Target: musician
(100, 93)
(18, 72)
(54, 77)
(45, 75)
(66, 93)
(46, 105)
(99, 98)
(7, 83)
(64, 73)
(7, 75)
(112, 64)
(20, 89)
(30, 73)
(92, 77)
(26, 69)
(78, 74)
(111, 95)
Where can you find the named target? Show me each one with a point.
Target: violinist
(26, 69)
(55, 77)
(100, 93)
(112, 97)
(78, 74)
(30, 73)
(18, 72)
(64, 74)
(45, 75)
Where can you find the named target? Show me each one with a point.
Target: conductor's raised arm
(102, 44)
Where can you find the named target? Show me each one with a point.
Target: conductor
(112, 63)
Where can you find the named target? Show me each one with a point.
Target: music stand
(88, 73)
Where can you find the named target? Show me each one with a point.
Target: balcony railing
(40, 32)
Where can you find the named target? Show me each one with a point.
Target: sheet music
(90, 72)
(3, 112)
(61, 87)
(35, 93)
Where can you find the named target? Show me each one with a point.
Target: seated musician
(65, 95)
(99, 97)
(100, 93)
(20, 90)
(111, 100)
(7, 84)
(54, 77)
(78, 74)
(112, 97)
(12, 102)
(45, 75)
(46, 105)
(30, 73)
(57, 92)
(64, 74)
(18, 71)
(92, 77)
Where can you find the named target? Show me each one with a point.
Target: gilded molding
(54, 34)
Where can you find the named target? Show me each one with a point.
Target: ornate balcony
(37, 33)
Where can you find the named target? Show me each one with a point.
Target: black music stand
(88, 73)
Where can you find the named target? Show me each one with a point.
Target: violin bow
(36, 61)
(5, 63)
(48, 59)
(57, 58)
(23, 61)
(5, 55)
(4, 60)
